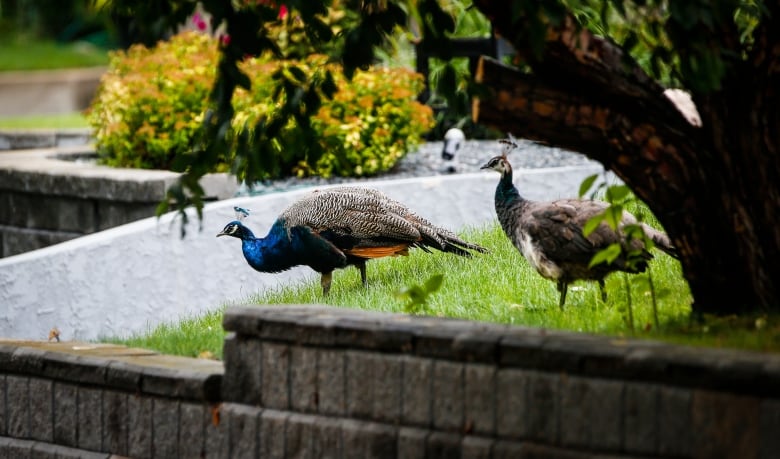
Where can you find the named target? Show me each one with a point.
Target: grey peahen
(550, 234)
(337, 227)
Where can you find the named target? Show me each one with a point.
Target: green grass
(496, 287)
(18, 54)
(53, 121)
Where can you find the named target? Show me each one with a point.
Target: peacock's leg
(562, 287)
(361, 265)
(603, 291)
(325, 281)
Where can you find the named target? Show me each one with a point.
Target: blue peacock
(337, 227)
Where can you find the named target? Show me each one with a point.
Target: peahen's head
(236, 229)
(499, 164)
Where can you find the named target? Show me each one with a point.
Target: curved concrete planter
(45, 199)
(135, 276)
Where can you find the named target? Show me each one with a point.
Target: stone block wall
(45, 200)
(310, 381)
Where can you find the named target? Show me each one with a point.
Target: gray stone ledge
(45, 171)
(114, 367)
(753, 373)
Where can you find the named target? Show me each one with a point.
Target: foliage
(416, 296)
(150, 109)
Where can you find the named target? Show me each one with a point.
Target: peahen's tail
(661, 240)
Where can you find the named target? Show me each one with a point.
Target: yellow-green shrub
(150, 106)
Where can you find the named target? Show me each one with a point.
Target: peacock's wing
(315, 250)
(430, 235)
(351, 216)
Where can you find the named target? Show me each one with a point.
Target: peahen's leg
(325, 281)
(603, 291)
(562, 287)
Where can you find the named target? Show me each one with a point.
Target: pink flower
(197, 19)
(225, 39)
(282, 11)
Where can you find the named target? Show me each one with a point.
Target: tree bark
(715, 188)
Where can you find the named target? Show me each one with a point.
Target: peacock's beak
(222, 233)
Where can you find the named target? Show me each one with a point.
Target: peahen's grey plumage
(550, 236)
(336, 227)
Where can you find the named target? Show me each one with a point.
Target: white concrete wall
(138, 275)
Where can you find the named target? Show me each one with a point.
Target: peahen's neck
(271, 253)
(506, 192)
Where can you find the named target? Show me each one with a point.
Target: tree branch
(649, 155)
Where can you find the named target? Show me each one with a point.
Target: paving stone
(411, 443)
(276, 376)
(770, 426)
(443, 445)
(192, 431)
(3, 406)
(675, 434)
(417, 386)
(479, 398)
(326, 438)
(331, 382)
(41, 410)
(725, 425)
(476, 447)
(90, 409)
(387, 388)
(543, 406)
(243, 423)
(368, 439)
(304, 396)
(640, 418)
(165, 425)
(13, 448)
(66, 414)
(298, 436)
(243, 360)
(360, 389)
(217, 441)
(139, 421)
(18, 399)
(273, 427)
(512, 406)
(448, 395)
(115, 427)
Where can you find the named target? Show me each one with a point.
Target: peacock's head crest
(235, 229)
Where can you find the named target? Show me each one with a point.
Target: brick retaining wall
(309, 381)
(45, 199)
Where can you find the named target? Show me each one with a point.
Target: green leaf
(591, 225)
(433, 284)
(606, 255)
(616, 193)
(587, 184)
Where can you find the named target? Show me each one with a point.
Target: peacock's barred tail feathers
(368, 213)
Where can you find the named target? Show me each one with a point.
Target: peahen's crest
(508, 145)
(241, 213)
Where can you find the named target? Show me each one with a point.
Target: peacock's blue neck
(271, 253)
(506, 192)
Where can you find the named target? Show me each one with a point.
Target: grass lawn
(19, 54)
(53, 121)
(496, 287)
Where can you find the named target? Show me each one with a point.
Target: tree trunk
(715, 188)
